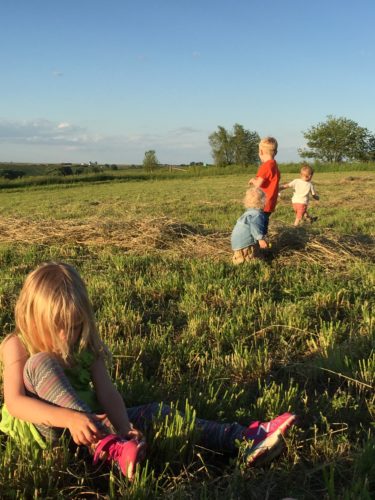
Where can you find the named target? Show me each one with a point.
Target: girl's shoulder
(12, 349)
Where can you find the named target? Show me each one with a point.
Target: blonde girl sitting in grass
(55, 378)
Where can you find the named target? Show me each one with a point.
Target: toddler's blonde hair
(54, 299)
(306, 169)
(254, 198)
(269, 144)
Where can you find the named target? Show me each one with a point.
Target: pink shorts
(300, 209)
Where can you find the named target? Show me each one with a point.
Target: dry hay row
(163, 234)
(328, 249)
(142, 237)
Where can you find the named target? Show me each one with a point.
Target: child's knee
(40, 358)
(38, 363)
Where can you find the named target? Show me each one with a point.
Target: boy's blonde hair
(254, 198)
(54, 299)
(306, 169)
(269, 144)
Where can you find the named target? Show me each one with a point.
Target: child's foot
(267, 439)
(125, 453)
(243, 255)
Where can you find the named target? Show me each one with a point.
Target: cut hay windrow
(172, 237)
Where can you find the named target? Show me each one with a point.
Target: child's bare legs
(300, 210)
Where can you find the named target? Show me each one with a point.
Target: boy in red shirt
(268, 175)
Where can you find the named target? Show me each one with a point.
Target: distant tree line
(66, 170)
(11, 174)
(334, 141)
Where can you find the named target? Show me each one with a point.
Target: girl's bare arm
(111, 400)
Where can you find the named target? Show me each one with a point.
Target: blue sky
(108, 80)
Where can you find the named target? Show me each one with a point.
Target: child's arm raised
(111, 400)
(14, 356)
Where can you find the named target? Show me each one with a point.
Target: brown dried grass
(169, 236)
(323, 247)
(152, 235)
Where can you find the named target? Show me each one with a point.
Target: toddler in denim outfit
(249, 232)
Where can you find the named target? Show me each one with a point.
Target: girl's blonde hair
(54, 314)
(254, 198)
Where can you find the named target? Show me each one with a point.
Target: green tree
(222, 148)
(150, 161)
(370, 155)
(240, 146)
(336, 140)
(245, 145)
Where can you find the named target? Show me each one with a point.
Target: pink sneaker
(126, 453)
(267, 439)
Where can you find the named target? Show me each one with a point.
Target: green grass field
(294, 332)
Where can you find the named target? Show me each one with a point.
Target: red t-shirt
(270, 174)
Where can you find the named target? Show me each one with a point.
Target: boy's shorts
(300, 209)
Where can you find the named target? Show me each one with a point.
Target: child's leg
(267, 220)
(243, 255)
(213, 435)
(219, 436)
(45, 379)
(265, 438)
(310, 218)
(238, 257)
(299, 209)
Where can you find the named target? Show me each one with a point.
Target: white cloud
(45, 139)
(44, 132)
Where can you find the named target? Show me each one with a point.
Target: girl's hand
(131, 433)
(85, 428)
(135, 434)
